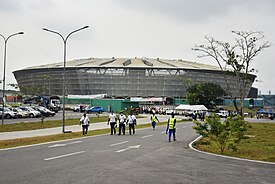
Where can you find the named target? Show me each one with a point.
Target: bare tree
(237, 56)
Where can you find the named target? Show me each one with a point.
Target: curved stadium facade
(124, 77)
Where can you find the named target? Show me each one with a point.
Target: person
(171, 127)
(132, 122)
(85, 122)
(122, 120)
(112, 120)
(154, 120)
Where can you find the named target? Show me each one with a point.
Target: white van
(223, 114)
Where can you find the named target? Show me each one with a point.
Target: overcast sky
(165, 29)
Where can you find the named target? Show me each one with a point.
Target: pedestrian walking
(85, 122)
(154, 120)
(112, 121)
(171, 127)
(132, 121)
(122, 121)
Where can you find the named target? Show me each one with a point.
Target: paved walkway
(73, 128)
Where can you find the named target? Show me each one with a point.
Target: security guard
(171, 127)
(154, 120)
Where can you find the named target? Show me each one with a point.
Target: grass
(58, 137)
(259, 145)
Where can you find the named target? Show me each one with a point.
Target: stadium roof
(129, 63)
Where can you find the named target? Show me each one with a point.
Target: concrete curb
(223, 156)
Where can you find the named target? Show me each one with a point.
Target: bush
(227, 134)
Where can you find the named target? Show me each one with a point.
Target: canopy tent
(183, 107)
(261, 111)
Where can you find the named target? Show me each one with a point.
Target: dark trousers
(172, 131)
(113, 129)
(131, 126)
(85, 129)
(153, 124)
(121, 126)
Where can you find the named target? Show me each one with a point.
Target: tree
(227, 134)
(238, 56)
(205, 94)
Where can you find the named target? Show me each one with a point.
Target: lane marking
(119, 143)
(184, 127)
(147, 136)
(66, 155)
(129, 147)
(163, 132)
(75, 142)
(60, 145)
(56, 145)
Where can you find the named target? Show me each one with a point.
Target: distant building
(269, 100)
(125, 77)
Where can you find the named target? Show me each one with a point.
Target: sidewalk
(73, 128)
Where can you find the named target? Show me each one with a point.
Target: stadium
(124, 77)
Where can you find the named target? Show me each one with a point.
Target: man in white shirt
(132, 122)
(85, 122)
(112, 120)
(122, 120)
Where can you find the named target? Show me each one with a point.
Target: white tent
(183, 107)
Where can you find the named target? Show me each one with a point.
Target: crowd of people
(131, 121)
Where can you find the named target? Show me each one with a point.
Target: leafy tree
(205, 94)
(237, 56)
(225, 134)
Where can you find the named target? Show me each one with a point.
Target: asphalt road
(146, 157)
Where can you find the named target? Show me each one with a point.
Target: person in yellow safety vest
(154, 120)
(171, 127)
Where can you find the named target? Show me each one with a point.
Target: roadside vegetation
(258, 144)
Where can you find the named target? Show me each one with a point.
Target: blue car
(96, 109)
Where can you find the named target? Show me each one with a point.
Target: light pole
(64, 67)
(4, 73)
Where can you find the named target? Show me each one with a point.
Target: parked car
(32, 113)
(8, 114)
(223, 113)
(44, 111)
(79, 108)
(170, 111)
(97, 109)
(21, 113)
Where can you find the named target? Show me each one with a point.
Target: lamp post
(64, 67)
(4, 66)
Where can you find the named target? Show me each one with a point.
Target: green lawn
(259, 145)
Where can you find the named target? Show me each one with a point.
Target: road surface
(146, 157)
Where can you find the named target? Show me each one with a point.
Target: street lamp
(4, 73)
(64, 67)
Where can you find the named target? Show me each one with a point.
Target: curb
(223, 156)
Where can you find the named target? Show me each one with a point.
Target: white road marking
(60, 145)
(61, 156)
(74, 142)
(119, 143)
(129, 147)
(163, 132)
(184, 126)
(147, 136)
(56, 145)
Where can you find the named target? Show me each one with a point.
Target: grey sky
(131, 28)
